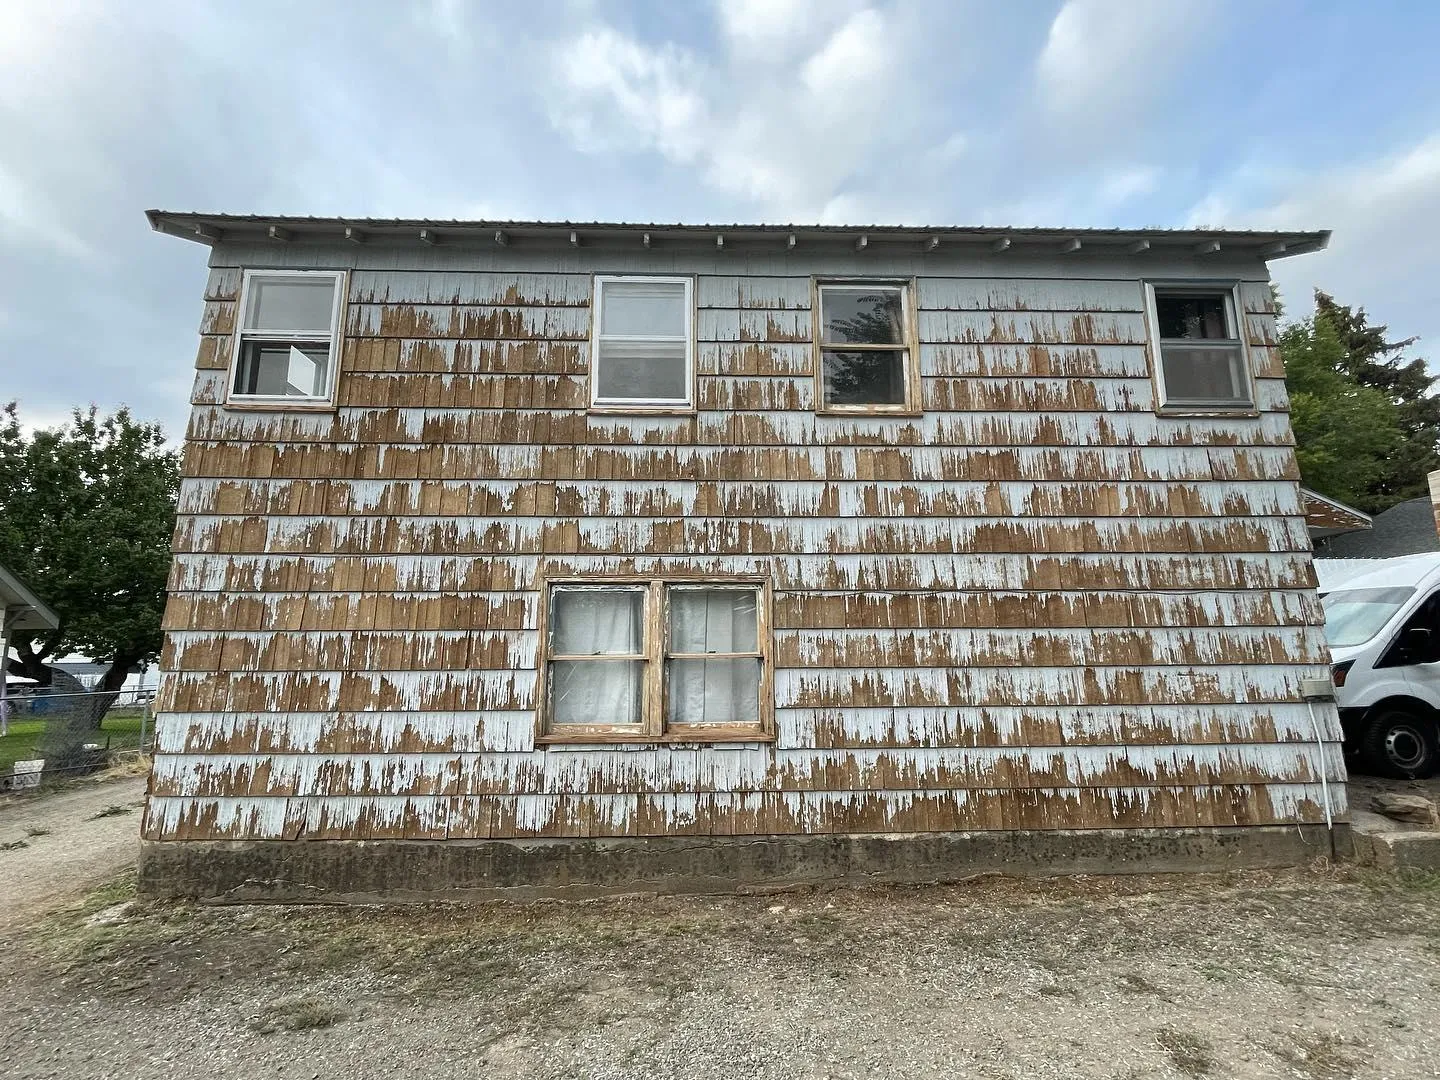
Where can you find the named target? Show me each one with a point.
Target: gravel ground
(1313, 975)
(55, 845)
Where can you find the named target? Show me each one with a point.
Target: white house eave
(211, 229)
(21, 608)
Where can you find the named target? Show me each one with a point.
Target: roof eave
(35, 614)
(211, 229)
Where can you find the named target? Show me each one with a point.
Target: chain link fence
(46, 735)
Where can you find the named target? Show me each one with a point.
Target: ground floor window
(658, 659)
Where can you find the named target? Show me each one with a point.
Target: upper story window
(643, 343)
(1196, 337)
(648, 660)
(866, 347)
(287, 341)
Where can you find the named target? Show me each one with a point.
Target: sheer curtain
(596, 622)
(703, 691)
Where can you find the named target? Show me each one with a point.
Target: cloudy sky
(1289, 113)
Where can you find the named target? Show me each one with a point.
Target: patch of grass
(1136, 983)
(300, 1014)
(1192, 1054)
(113, 810)
(119, 730)
(1216, 972)
(1318, 1055)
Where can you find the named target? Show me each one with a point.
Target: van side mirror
(1420, 646)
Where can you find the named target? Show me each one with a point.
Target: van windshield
(1354, 616)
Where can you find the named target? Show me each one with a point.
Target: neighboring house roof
(1407, 528)
(1330, 517)
(81, 667)
(213, 228)
(23, 610)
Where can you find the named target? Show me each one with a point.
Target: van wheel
(1402, 744)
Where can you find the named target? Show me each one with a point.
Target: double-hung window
(1196, 340)
(655, 660)
(287, 338)
(865, 347)
(642, 343)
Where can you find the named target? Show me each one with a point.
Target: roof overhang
(21, 609)
(248, 228)
(1330, 517)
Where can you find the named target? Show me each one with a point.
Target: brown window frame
(912, 405)
(655, 653)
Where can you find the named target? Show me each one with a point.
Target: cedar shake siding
(1032, 602)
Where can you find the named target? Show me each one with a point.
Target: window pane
(714, 692)
(594, 622)
(641, 308)
(713, 620)
(637, 371)
(282, 370)
(1200, 375)
(862, 316)
(596, 691)
(1184, 315)
(290, 304)
(864, 378)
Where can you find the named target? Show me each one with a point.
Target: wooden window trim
(913, 404)
(336, 340)
(1229, 288)
(654, 728)
(630, 407)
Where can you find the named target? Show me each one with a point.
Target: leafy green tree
(1373, 361)
(1345, 432)
(87, 521)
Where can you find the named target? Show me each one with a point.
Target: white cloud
(773, 26)
(1102, 53)
(785, 141)
(1122, 185)
(1386, 220)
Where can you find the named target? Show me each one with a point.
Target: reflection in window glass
(862, 316)
(864, 378)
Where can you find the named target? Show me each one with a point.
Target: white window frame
(1230, 291)
(910, 346)
(314, 338)
(612, 404)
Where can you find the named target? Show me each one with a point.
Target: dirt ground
(1314, 975)
(54, 846)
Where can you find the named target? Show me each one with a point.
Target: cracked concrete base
(398, 871)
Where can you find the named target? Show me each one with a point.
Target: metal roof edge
(215, 228)
(15, 593)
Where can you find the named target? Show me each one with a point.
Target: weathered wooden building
(610, 556)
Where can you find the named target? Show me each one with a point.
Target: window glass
(595, 622)
(641, 371)
(862, 316)
(291, 305)
(1354, 616)
(714, 691)
(1203, 374)
(713, 620)
(597, 691)
(282, 370)
(872, 377)
(1191, 316)
(643, 308)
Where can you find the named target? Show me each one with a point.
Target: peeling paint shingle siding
(1037, 605)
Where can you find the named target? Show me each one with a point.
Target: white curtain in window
(713, 691)
(596, 622)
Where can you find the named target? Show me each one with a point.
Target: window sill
(871, 410)
(1213, 410)
(641, 410)
(689, 736)
(243, 405)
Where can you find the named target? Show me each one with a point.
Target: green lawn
(120, 730)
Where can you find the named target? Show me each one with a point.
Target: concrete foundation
(333, 871)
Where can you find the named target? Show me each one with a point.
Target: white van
(1384, 633)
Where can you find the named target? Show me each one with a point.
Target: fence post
(144, 716)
